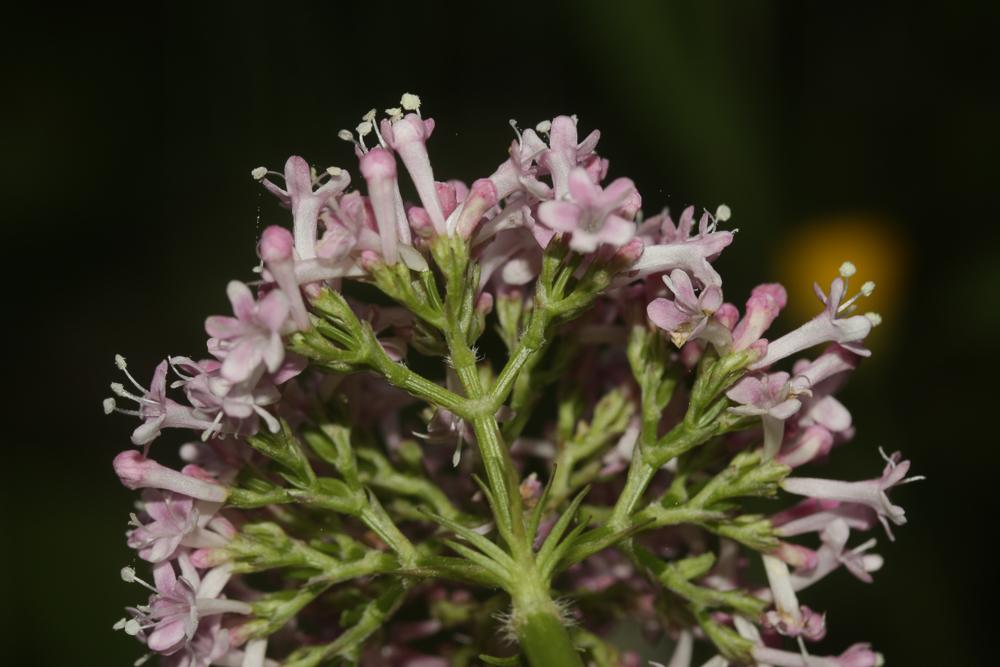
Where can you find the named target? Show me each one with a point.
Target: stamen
(129, 577)
(544, 127)
(847, 269)
(334, 172)
(874, 318)
(370, 116)
(108, 405)
(120, 624)
(259, 173)
(345, 135)
(132, 627)
(142, 660)
(123, 367)
(394, 113)
(410, 102)
(868, 288)
(513, 123)
(723, 213)
(364, 128)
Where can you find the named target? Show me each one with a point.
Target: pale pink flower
(174, 520)
(669, 247)
(304, 201)
(687, 315)
(829, 325)
(408, 136)
(253, 337)
(170, 620)
(137, 472)
(872, 493)
(155, 409)
(763, 306)
(276, 250)
(590, 215)
(208, 645)
(788, 617)
(378, 166)
(833, 553)
(810, 444)
(774, 398)
(858, 655)
(814, 515)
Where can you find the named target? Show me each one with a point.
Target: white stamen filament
(123, 367)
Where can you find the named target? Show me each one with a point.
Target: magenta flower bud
(379, 169)
(482, 197)
(763, 306)
(137, 472)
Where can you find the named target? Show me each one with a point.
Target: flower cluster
(598, 416)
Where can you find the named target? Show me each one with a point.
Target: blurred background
(862, 131)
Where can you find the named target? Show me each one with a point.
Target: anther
(409, 101)
(334, 171)
(259, 173)
(544, 127)
(868, 288)
(723, 213)
(847, 269)
(370, 116)
(874, 318)
(345, 135)
(109, 405)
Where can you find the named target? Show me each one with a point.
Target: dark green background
(128, 139)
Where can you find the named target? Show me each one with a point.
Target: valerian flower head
(354, 439)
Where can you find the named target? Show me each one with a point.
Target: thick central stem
(538, 624)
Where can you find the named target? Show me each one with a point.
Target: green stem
(544, 640)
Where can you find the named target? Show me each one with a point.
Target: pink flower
(137, 472)
(378, 166)
(763, 306)
(175, 520)
(788, 617)
(277, 252)
(833, 553)
(669, 247)
(858, 655)
(828, 326)
(305, 202)
(251, 338)
(814, 515)
(590, 215)
(772, 397)
(155, 409)
(408, 136)
(210, 643)
(565, 153)
(871, 493)
(687, 315)
(809, 445)
(169, 621)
